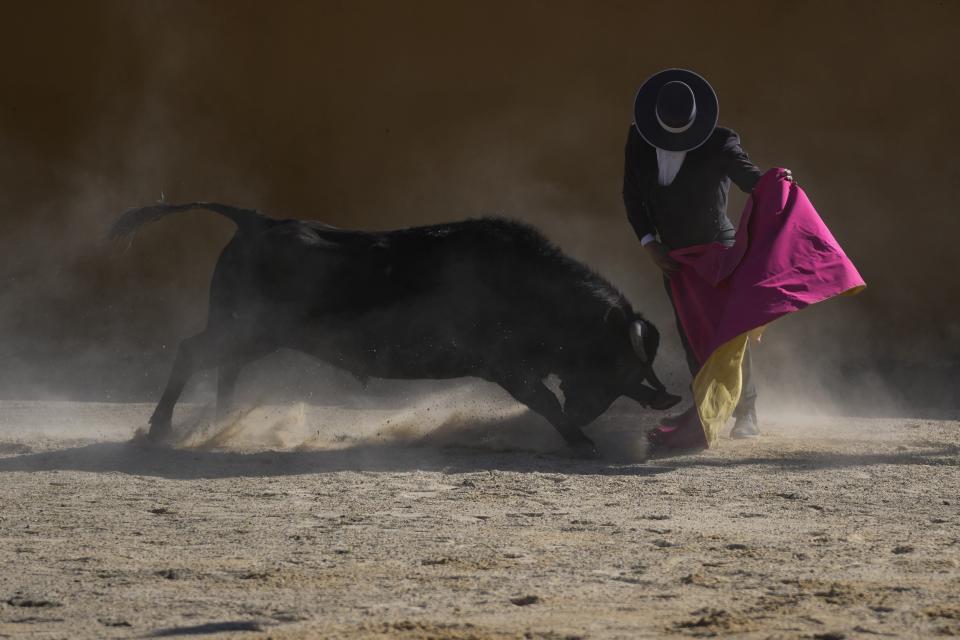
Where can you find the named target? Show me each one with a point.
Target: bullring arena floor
(449, 521)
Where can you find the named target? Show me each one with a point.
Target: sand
(465, 520)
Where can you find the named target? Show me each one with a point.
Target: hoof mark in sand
(792, 496)
(715, 621)
(860, 629)
(113, 623)
(19, 600)
(33, 620)
(524, 601)
(169, 574)
(255, 575)
(210, 627)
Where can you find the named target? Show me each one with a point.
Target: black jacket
(693, 208)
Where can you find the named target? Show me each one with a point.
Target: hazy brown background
(383, 114)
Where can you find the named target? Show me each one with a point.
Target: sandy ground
(440, 520)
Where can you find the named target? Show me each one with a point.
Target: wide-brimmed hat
(675, 110)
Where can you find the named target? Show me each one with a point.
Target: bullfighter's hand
(660, 255)
(788, 176)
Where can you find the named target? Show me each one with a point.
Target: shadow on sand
(137, 458)
(517, 443)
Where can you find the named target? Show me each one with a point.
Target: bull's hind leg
(199, 352)
(229, 372)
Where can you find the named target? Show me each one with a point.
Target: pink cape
(784, 259)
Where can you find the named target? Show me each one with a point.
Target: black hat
(675, 110)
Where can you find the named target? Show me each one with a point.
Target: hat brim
(645, 114)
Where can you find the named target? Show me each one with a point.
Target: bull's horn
(637, 330)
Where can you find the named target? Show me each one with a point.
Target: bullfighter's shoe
(745, 427)
(687, 436)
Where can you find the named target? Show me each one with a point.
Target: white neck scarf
(668, 163)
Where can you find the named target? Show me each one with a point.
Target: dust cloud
(379, 115)
(462, 416)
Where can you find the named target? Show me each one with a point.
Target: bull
(489, 298)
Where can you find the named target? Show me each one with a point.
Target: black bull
(489, 298)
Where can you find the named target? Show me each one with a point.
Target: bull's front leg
(535, 395)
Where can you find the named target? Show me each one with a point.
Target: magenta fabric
(784, 259)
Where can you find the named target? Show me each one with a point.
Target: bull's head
(622, 365)
(638, 364)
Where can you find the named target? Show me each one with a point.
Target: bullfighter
(679, 165)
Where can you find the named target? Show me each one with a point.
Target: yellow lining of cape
(717, 386)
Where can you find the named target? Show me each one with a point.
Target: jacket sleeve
(633, 198)
(741, 170)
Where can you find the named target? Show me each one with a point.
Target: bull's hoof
(160, 433)
(584, 451)
(664, 401)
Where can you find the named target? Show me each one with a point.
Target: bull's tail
(133, 219)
